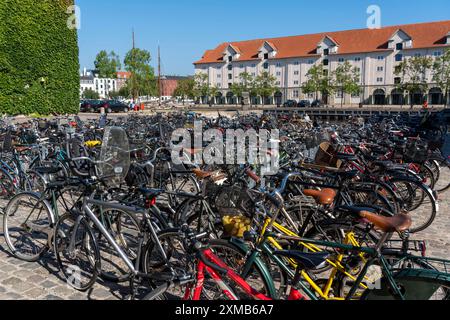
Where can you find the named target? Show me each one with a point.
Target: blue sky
(186, 28)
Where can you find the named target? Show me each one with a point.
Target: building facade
(122, 78)
(168, 86)
(89, 80)
(374, 52)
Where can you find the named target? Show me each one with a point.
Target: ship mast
(159, 75)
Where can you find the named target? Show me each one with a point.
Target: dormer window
(230, 58)
(327, 46)
(400, 40)
(267, 51)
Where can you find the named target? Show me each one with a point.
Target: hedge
(39, 68)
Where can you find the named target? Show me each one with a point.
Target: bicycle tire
(86, 243)
(425, 201)
(35, 242)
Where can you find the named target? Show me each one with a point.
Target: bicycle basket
(326, 156)
(114, 156)
(232, 201)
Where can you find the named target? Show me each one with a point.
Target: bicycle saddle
(324, 197)
(397, 223)
(150, 193)
(306, 261)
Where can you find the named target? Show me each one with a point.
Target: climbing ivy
(39, 68)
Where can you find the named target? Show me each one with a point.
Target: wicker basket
(326, 156)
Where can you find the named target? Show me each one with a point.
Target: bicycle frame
(202, 268)
(133, 268)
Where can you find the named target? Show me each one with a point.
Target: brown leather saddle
(323, 197)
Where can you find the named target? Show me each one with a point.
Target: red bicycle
(209, 264)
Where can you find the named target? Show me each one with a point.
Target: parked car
(90, 105)
(316, 104)
(304, 104)
(290, 104)
(115, 106)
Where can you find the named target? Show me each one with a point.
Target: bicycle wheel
(125, 229)
(417, 200)
(7, 187)
(175, 261)
(76, 251)
(443, 182)
(27, 226)
(413, 287)
(235, 258)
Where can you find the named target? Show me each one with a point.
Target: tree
(213, 91)
(413, 75)
(107, 64)
(124, 92)
(201, 88)
(91, 94)
(185, 89)
(346, 80)
(142, 80)
(318, 81)
(238, 90)
(246, 85)
(441, 74)
(265, 85)
(114, 94)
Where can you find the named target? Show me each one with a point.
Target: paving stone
(52, 297)
(12, 281)
(35, 293)
(48, 284)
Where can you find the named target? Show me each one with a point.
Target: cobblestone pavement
(37, 281)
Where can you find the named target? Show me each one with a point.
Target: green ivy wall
(39, 68)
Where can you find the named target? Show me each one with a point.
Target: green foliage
(318, 81)
(441, 73)
(107, 64)
(185, 89)
(413, 75)
(142, 80)
(265, 85)
(39, 69)
(201, 87)
(91, 94)
(346, 79)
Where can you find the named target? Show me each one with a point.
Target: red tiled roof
(123, 74)
(424, 35)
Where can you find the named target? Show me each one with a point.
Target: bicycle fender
(241, 245)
